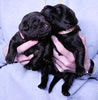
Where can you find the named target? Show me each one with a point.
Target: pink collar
(21, 35)
(67, 31)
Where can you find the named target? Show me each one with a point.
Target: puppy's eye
(35, 22)
(25, 26)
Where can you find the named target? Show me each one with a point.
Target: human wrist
(92, 67)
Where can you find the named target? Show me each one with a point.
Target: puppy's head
(60, 16)
(34, 26)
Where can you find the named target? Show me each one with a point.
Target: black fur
(34, 27)
(63, 18)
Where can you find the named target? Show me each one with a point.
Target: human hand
(66, 61)
(20, 49)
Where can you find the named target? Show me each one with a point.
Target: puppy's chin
(38, 35)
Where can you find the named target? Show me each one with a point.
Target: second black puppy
(62, 18)
(33, 27)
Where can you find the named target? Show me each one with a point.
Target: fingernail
(31, 56)
(54, 38)
(34, 42)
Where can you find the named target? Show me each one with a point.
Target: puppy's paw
(65, 90)
(65, 93)
(80, 72)
(42, 86)
(28, 67)
(31, 66)
(9, 59)
(50, 89)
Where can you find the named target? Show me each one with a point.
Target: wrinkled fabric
(17, 83)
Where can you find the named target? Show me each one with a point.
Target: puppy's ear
(49, 12)
(46, 10)
(71, 16)
(67, 13)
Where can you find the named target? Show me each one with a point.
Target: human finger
(24, 62)
(62, 49)
(25, 46)
(61, 65)
(63, 62)
(58, 67)
(61, 59)
(22, 58)
(58, 44)
(64, 59)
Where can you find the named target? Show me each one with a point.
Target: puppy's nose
(46, 26)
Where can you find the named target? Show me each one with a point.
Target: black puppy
(33, 27)
(61, 19)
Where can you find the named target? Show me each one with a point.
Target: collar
(67, 31)
(21, 35)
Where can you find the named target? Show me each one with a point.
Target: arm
(2, 46)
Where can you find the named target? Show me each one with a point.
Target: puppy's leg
(69, 78)
(35, 62)
(44, 78)
(48, 54)
(80, 63)
(75, 45)
(12, 50)
(79, 56)
(47, 60)
(54, 81)
(11, 53)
